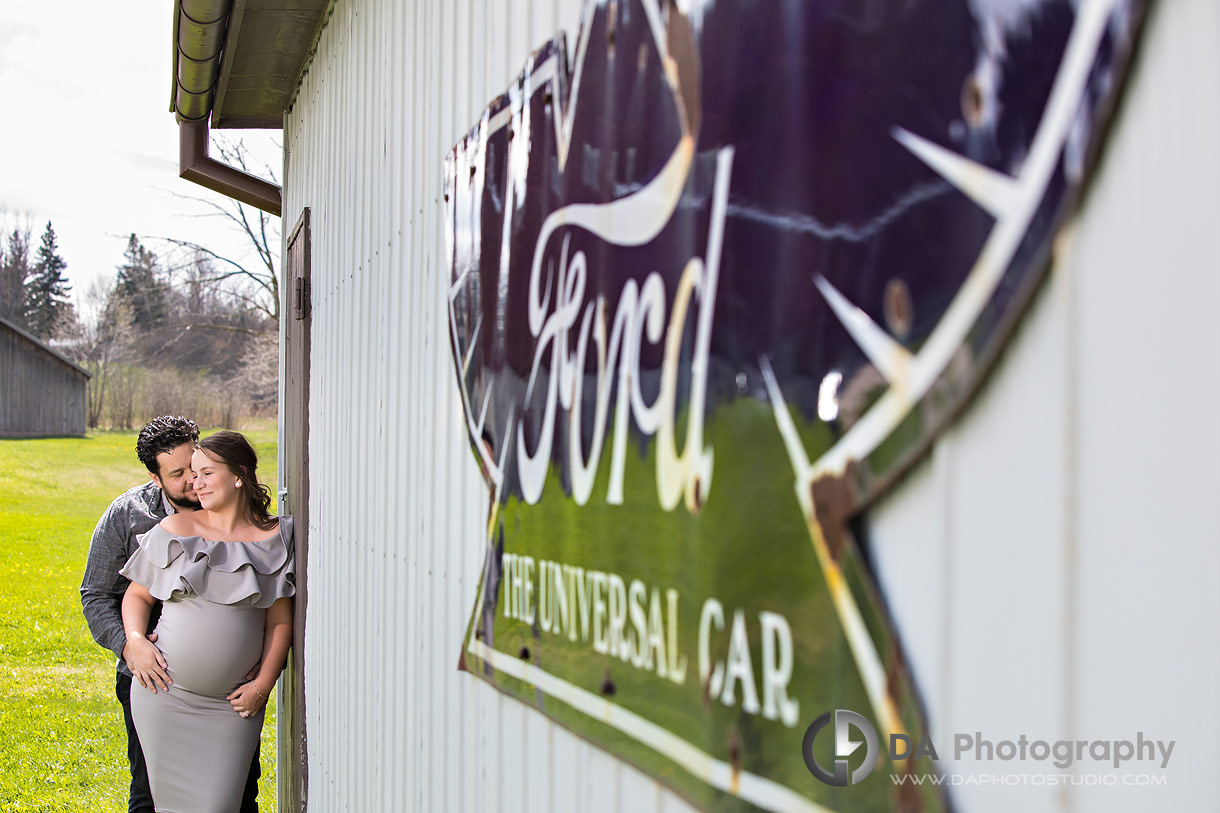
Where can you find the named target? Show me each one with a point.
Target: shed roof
(265, 48)
(41, 345)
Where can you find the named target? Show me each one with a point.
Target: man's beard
(185, 502)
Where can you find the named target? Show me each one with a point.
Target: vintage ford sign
(716, 282)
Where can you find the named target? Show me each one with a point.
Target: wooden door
(294, 500)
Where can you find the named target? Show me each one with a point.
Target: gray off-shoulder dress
(216, 596)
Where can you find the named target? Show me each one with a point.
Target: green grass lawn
(64, 747)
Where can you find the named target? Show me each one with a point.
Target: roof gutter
(199, 38)
(195, 165)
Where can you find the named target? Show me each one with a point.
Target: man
(164, 447)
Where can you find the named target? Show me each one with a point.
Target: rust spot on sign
(608, 688)
(735, 762)
(834, 501)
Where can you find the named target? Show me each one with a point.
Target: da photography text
(850, 730)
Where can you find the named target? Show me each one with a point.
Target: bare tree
(204, 301)
(258, 376)
(255, 283)
(124, 386)
(104, 346)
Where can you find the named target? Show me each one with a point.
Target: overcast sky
(87, 139)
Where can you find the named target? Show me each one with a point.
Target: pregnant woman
(225, 575)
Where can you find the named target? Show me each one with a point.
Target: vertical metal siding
(1004, 556)
(397, 506)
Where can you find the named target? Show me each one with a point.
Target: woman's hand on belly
(147, 663)
(248, 698)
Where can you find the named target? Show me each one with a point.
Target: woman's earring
(238, 484)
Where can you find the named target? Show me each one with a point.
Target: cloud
(155, 163)
(16, 37)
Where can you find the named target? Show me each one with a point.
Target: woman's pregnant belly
(210, 647)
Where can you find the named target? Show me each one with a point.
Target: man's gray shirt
(114, 540)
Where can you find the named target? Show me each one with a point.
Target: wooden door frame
(295, 311)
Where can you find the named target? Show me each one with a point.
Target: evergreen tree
(14, 274)
(47, 307)
(141, 288)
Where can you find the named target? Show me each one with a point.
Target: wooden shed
(42, 393)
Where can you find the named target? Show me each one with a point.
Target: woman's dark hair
(233, 450)
(163, 434)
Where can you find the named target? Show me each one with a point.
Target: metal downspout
(199, 37)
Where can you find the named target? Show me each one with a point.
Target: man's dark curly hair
(164, 434)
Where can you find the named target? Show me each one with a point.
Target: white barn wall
(1053, 567)
(1050, 565)
(397, 506)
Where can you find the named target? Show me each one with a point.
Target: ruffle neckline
(246, 573)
